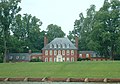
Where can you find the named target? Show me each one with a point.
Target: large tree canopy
(100, 30)
(26, 30)
(54, 31)
(8, 11)
(107, 27)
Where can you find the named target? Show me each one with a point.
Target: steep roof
(21, 56)
(60, 44)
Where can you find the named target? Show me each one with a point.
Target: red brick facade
(65, 57)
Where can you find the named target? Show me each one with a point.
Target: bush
(83, 59)
(1, 58)
(36, 60)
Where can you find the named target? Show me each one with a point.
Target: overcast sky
(60, 12)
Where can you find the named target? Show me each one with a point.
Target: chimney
(45, 40)
(76, 42)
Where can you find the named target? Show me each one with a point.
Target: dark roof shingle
(60, 43)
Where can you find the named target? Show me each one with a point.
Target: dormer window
(50, 45)
(63, 45)
(11, 57)
(17, 57)
(68, 45)
(55, 46)
(23, 57)
(59, 46)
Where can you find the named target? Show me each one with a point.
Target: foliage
(106, 23)
(27, 29)
(36, 60)
(99, 30)
(83, 69)
(54, 31)
(83, 59)
(8, 11)
(1, 57)
(83, 28)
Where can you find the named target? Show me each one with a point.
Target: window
(59, 51)
(50, 45)
(54, 59)
(68, 52)
(63, 59)
(46, 59)
(17, 57)
(80, 55)
(50, 52)
(23, 57)
(59, 46)
(50, 59)
(55, 46)
(68, 45)
(55, 52)
(39, 57)
(33, 57)
(63, 52)
(72, 59)
(68, 59)
(46, 52)
(94, 55)
(11, 57)
(87, 55)
(72, 52)
(63, 45)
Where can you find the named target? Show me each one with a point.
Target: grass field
(89, 69)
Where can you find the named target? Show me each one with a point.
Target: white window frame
(80, 55)
(55, 52)
(68, 59)
(72, 52)
(68, 52)
(55, 59)
(50, 52)
(87, 55)
(63, 45)
(68, 45)
(39, 57)
(59, 46)
(46, 59)
(46, 52)
(59, 52)
(33, 57)
(63, 52)
(63, 59)
(17, 57)
(23, 57)
(11, 57)
(55, 46)
(50, 59)
(50, 45)
(72, 59)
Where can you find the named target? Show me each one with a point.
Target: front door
(59, 58)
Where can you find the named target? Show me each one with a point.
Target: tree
(27, 30)
(8, 11)
(83, 27)
(107, 28)
(54, 31)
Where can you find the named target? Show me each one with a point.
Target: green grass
(89, 69)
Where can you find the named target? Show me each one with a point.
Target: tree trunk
(5, 47)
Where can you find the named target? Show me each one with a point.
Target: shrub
(83, 59)
(1, 58)
(36, 60)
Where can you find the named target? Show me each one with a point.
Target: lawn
(84, 69)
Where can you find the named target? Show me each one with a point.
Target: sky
(60, 12)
